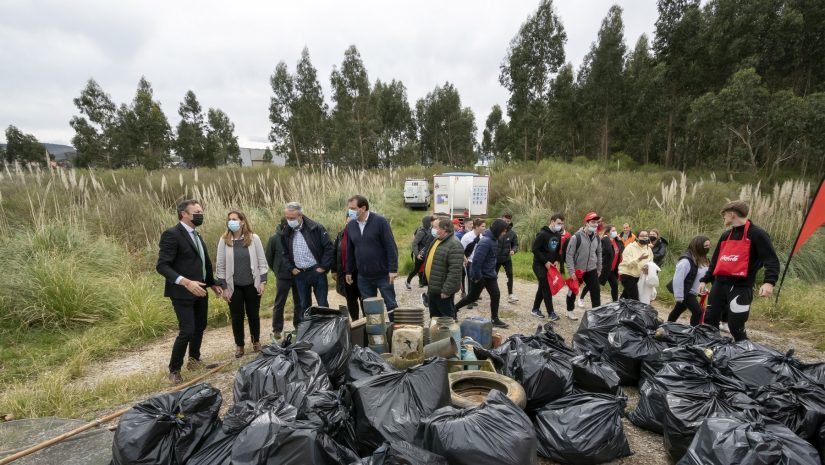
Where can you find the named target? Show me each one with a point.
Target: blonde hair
(246, 230)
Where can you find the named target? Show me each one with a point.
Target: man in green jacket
(284, 281)
(444, 260)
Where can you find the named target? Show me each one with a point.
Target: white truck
(461, 194)
(416, 193)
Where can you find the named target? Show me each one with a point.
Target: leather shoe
(238, 351)
(175, 378)
(197, 364)
(256, 347)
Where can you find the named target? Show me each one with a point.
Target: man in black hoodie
(547, 253)
(507, 247)
(422, 239)
(733, 269)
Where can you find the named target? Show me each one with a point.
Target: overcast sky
(226, 51)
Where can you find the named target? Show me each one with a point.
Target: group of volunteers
(449, 257)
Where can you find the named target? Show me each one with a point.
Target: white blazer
(648, 282)
(225, 269)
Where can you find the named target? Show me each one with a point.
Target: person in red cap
(584, 261)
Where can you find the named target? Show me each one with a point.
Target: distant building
(255, 157)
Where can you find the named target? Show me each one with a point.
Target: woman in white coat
(241, 272)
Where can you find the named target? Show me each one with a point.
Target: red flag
(815, 218)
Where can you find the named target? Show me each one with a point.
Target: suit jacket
(179, 257)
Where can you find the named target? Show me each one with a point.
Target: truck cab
(416, 193)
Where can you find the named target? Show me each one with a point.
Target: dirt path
(218, 346)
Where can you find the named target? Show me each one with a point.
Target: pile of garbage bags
(322, 400)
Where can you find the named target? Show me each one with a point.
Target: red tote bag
(555, 280)
(734, 256)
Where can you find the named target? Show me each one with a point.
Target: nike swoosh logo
(735, 307)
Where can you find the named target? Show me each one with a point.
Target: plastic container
(376, 330)
(478, 328)
(408, 342)
(444, 327)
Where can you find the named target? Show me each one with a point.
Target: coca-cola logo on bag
(729, 258)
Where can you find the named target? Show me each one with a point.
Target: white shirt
(361, 224)
(194, 238)
(468, 239)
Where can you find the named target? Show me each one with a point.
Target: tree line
(731, 84)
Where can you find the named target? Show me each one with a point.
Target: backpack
(691, 276)
(471, 246)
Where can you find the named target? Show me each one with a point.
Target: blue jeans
(370, 287)
(309, 282)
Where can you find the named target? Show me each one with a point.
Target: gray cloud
(225, 52)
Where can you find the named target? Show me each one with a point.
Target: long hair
(696, 250)
(246, 230)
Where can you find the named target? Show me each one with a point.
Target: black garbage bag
(547, 337)
(757, 369)
(676, 376)
(294, 371)
(727, 348)
(800, 407)
(630, 344)
(217, 449)
(389, 407)
(497, 431)
(365, 362)
(745, 440)
(678, 334)
(167, 429)
(329, 333)
(545, 373)
(599, 321)
(815, 372)
(402, 453)
(593, 374)
(695, 355)
(685, 412)
(582, 429)
(331, 411)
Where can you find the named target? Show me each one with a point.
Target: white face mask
(293, 223)
(557, 227)
(434, 232)
(613, 234)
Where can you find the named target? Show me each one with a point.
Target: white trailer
(461, 194)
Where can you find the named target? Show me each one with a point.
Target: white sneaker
(572, 315)
(512, 299)
(724, 327)
(580, 303)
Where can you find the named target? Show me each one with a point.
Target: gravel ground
(218, 346)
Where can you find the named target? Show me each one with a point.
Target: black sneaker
(472, 305)
(407, 284)
(554, 317)
(537, 313)
(500, 324)
(425, 299)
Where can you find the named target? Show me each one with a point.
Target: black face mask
(197, 219)
(642, 241)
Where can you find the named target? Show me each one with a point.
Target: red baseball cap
(592, 216)
(456, 222)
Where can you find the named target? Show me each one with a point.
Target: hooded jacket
(486, 251)
(445, 270)
(547, 247)
(584, 252)
(506, 244)
(659, 251)
(423, 236)
(632, 261)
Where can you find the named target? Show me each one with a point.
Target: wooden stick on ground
(99, 421)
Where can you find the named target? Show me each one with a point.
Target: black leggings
(689, 303)
(630, 287)
(491, 284)
(245, 297)
(543, 292)
(508, 271)
(590, 280)
(416, 267)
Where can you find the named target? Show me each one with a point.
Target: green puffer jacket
(445, 274)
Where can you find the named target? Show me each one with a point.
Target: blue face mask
(352, 214)
(591, 229)
(293, 223)
(434, 232)
(233, 225)
(613, 234)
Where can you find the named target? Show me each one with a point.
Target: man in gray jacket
(583, 259)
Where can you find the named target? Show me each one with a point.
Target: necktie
(200, 252)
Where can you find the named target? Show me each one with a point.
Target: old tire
(470, 388)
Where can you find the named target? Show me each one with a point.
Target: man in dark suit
(184, 262)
